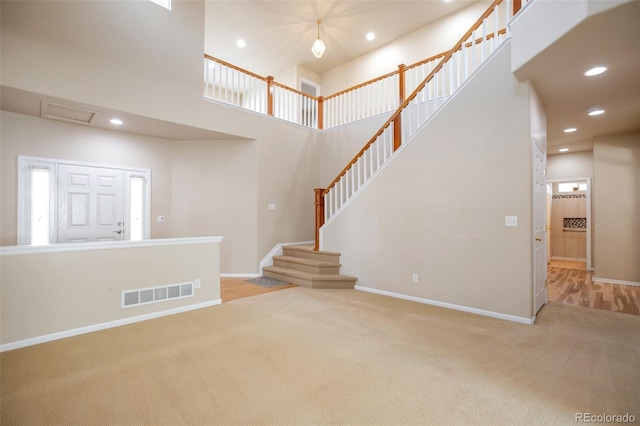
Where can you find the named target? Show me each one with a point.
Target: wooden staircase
(305, 267)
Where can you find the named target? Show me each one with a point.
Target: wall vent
(67, 113)
(145, 296)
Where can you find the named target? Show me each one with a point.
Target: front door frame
(25, 162)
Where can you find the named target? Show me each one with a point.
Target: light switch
(272, 206)
(511, 221)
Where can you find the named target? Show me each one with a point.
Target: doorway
(570, 226)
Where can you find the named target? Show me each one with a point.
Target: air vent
(67, 114)
(145, 296)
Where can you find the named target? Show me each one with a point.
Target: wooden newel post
(270, 95)
(397, 126)
(320, 112)
(517, 5)
(319, 214)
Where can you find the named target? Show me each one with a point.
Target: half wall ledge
(57, 291)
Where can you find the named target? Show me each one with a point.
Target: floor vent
(145, 296)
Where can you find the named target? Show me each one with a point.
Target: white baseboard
(103, 326)
(277, 251)
(619, 282)
(482, 312)
(241, 275)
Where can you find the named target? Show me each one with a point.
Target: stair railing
(455, 67)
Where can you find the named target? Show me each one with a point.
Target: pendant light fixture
(318, 47)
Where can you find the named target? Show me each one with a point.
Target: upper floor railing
(233, 85)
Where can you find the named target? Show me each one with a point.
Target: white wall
(616, 206)
(437, 209)
(570, 165)
(214, 189)
(428, 41)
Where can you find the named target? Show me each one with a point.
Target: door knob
(119, 231)
(538, 238)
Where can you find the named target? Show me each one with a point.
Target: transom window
(572, 187)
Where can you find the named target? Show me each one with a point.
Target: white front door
(90, 204)
(539, 228)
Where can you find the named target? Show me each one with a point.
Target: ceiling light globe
(318, 48)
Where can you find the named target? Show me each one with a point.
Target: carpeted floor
(306, 356)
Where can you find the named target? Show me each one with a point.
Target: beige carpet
(302, 356)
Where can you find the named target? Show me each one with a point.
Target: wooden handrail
(366, 83)
(242, 70)
(306, 95)
(424, 61)
(404, 104)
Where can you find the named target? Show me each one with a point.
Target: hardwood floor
(237, 288)
(570, 283)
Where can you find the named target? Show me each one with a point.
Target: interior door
(539, 227)
(90, 204)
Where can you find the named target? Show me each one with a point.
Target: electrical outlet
(197, 282)
(161, 219)
(415, 278)
(272, 206)
(511, 221)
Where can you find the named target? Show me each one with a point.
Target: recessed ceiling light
(241, 43)
(595, 110)
(116, 121)
(570, 130)
(563, 149)
(370, 36)
(595, 71)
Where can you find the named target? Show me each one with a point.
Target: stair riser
(311, 284)
(312, 255)
(293, 280)
(308, 268)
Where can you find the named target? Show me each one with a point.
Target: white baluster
(495, 43)
(484, 40)
(327, 208)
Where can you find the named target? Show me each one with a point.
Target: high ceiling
(610, 39)
(279, 34)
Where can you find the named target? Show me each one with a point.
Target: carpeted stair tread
(305, 261)
(307, 275)
(310, 249)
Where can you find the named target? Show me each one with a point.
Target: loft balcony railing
(230, 84)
